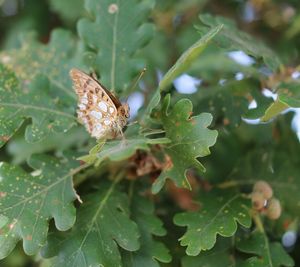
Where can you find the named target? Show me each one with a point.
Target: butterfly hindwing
(96, 109)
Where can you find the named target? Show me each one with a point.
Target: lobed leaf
(267, 254)
(220, 214)
(68, 10)
(48, 115)
(44, 92)
(117, 150)
(149, 225)
(275, 167)
(190, 139)
(29, 201)
(188, 57)
(219, 255)
(288, 97)
(231, 38)
(114, 31)
(102, 224)
(20, 150)
(34, 58)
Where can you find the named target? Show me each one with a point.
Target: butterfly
(102, 114)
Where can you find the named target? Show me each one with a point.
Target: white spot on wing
(103, 106)
(84, 100)
(107, 122)
(97, 131)
(81, 107)
(96, 114)
(111, 110)
(95, 99)
(99, 127)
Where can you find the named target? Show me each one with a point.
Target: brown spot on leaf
(3, 194)
(4, 138)
(193, 122)
(226, 121)
(168, 163)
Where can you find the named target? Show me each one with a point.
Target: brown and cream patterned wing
(96, 110)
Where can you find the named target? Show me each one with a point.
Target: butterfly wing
(96, 109)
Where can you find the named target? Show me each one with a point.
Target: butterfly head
(124, 113)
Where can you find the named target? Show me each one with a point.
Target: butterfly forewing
(96, 108)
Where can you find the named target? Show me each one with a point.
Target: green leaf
(289, 93)
(153, 103)
(48, 114)
(268, 254)
(34, 58)
(44, 92)
(117, 150)
(29, 201)
(68, 10)
(278, 167)
(273, 110)
(233, 39)
(218, 256)
(288, 96)
(102, 224)
(219, 214)
(114, 32)
(20, 150)
(151, 250)
(190, 139)
(188, 57)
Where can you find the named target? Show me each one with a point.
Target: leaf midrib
(46, 189)
(219, 212)
(114, 48)
(23, 106)
(102, 203)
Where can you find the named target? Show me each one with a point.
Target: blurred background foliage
(274, 22)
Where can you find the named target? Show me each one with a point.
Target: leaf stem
(258, 222)
(81, 178)
(130, 191)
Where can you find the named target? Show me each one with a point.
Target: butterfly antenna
(132, 123)
(135, 82)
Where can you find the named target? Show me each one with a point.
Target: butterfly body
(102, 114)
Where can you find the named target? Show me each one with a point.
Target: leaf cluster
(176, 190)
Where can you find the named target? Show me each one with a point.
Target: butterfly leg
(123, 138)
